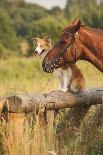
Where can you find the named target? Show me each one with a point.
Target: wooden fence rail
(55, 100)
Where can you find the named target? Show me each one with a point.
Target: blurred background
(20, 20)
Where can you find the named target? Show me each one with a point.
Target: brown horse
(77, 42)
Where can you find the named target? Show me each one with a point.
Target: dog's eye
(63, 42)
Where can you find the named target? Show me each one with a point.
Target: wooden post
(2, 102)
(50, 130)
(15, 130)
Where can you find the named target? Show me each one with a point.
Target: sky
(49, 3)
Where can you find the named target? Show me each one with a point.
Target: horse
(77, 42)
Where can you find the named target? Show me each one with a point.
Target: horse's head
(56, 57)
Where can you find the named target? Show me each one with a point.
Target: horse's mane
(91, 30)
(94, 30)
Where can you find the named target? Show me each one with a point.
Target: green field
(20, 75)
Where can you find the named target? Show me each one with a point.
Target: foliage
(19, 21)
(23, 14)
(7, 32)
(16, 19)
(56, 11)
(47, 26)
(89, 11)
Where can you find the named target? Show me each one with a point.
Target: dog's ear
(48, 39)
(34, 40)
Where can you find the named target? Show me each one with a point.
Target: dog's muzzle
(42, 52)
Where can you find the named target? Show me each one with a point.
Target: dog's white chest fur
(65, 77)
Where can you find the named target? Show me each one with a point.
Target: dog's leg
(67, 76)
(78, 84)
(75, 86)
(59, 75)
(61, 81)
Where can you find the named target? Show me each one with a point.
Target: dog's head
(42, 45)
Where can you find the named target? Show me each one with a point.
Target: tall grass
(26, 75)
(23, 75)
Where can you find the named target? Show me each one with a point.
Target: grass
(93, 77)
(22, 75)
(25, 75)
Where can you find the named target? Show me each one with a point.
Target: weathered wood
(15, 128)
(55, 100)
(50, 129)
(2, 102)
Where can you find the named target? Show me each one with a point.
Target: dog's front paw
(64, 90)
(75, 90)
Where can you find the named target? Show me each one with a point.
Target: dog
(70, 76)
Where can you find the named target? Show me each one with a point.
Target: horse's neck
(89, 56)
(92, 49)
(93, 41)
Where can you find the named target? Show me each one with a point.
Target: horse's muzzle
(47, 67)
(50, 66)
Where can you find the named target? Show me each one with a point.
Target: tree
(7, 34)
(55, 11)
(47, 26)
(89, 11)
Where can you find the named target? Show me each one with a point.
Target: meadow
(25, 75)
(21, 75)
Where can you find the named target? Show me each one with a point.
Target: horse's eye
(67, 33)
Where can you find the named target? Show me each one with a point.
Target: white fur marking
(65, 77)
(39, 49)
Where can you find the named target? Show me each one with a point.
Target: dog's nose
(36, 52)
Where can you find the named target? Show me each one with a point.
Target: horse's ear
(76, 23)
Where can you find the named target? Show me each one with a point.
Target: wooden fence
(47, 105)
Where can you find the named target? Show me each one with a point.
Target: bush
(7, 34)
(47, 26)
